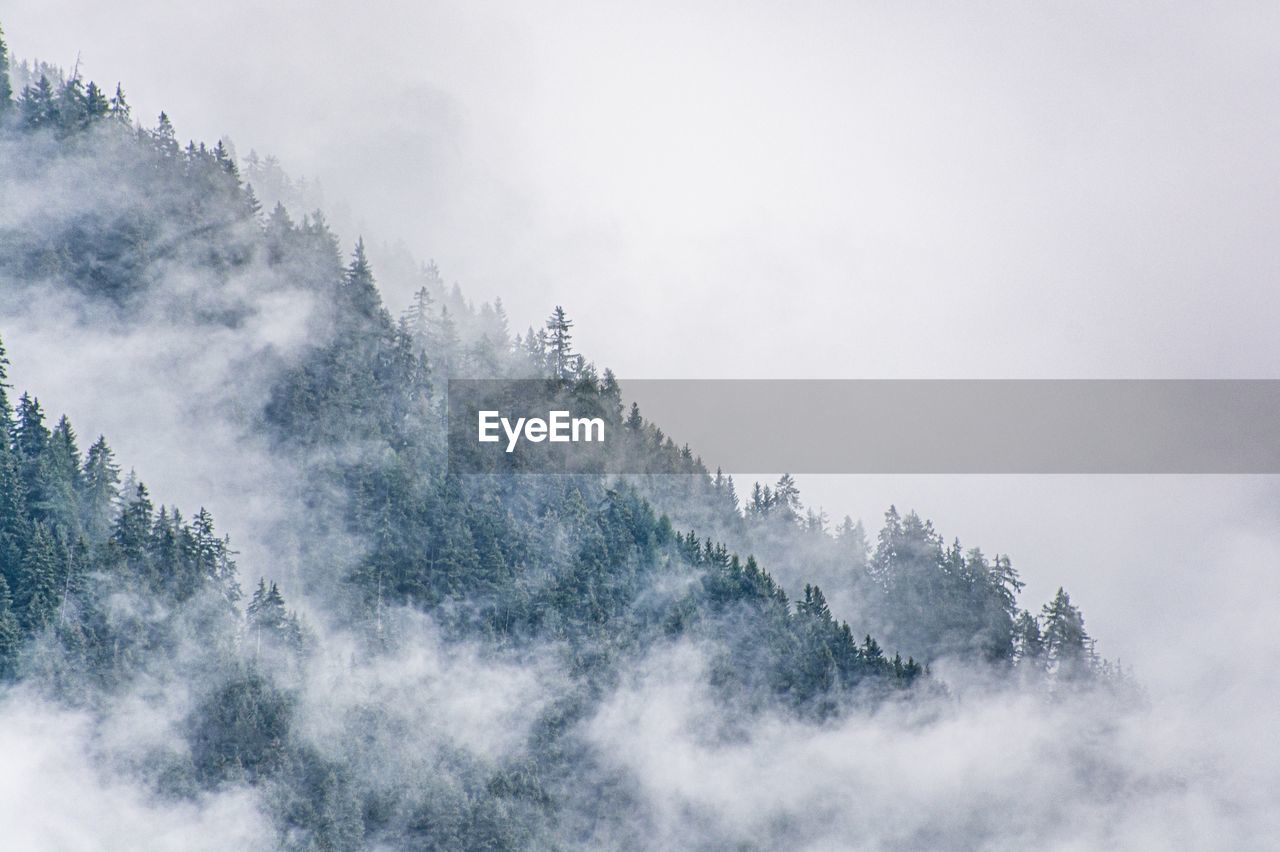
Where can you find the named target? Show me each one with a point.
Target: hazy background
(834, 190)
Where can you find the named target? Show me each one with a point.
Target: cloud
(60, 788)
(989, 770)
(822, 192)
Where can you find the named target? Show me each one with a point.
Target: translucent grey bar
(906, 426)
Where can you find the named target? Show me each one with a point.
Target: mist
(713, 192)
(911, 192)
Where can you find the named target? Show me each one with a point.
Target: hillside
(417, 658)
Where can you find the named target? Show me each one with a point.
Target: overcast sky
(816, 189)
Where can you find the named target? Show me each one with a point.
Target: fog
(1069, 776)
(834, 189)
(736, 191)
(56, 760)
(842, 190)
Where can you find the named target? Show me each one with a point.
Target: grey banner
(891, 426)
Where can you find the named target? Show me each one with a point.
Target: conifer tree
(634, 421)
(361, 290)
(786, 497)
(132, 533)
(1066, 645)
(14, 530)
(64, 480)
(10, 633)
(164, 139)
(100, 492)
(39, 580)
(119, 107)
(852, 538)
(31, 438)
(447, 343)
(72, 105)
(13, 512)
(38, 105)
(96, 103)
(1028, 644)
(252, 207)
(6, 410)
(559, 345)
(266, 612)
(6, 85)
(31, 447)
(500, 325)
(418, 319)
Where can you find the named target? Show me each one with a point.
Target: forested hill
(101, 590)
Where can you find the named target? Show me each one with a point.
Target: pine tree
(96, 103)
(14, 529)
(6, 87)
(39, 580)
(634, 421)
(888, 542)
(501, 328)
(10, 633)
(1028, 644)
(786, 497)
(731, 496)
(362, 292)
(64, 480)
(100, 492)
(1003, 584)
(225, 159)
(119, 107)
(165, 551)
(31, 446)
(815, 521)
(852, 538)
(132, 533)
(164, 139)
(559, 345)
(252, 207)
(418, 320)
(73, 105)
(447, 343)
(1066, 645)
(266, 612)
(31, 438)
(38, 105)
(13, 509)
(226, 573)
(6, 410)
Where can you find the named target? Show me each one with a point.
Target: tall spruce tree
(6, 85)
(100, 492)
(119, 106)
(362, 291)
(1067, 646)
(39, 580)
(1028, 644)
(560, 356)
(10, 633)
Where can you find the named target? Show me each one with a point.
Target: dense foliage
(99, 587)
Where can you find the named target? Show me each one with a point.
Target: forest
(577, 581)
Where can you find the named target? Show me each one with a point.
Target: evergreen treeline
(99, 586)
(74, 539)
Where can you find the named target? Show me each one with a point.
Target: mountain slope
(528, 602)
